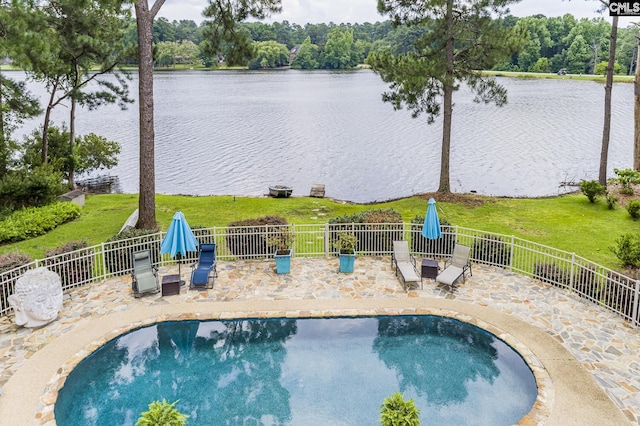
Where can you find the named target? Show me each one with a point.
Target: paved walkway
(600, 341)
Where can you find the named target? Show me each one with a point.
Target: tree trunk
(447, 105)
(636, 114)
(72, 138)
(4, 142)
(606, 130)
(147, 198)
(45, 125)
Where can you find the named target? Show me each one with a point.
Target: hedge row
(31, 222)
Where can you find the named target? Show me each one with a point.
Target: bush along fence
(562, 269)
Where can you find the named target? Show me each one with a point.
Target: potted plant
(346, 246)
(281, 242)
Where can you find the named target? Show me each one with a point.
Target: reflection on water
(448, 355)
(300, 372)
(235, 132)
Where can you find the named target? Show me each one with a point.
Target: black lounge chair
(204, 271)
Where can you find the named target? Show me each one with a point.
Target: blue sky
(359, 11)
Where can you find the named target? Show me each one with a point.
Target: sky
(360, 11)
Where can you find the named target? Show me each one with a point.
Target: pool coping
(567, 394)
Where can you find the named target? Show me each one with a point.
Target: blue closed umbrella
(431, 228)
(179, 238)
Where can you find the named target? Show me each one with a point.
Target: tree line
(551, 44)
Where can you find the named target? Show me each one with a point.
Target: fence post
(326, 240)
(513, 249)
(636, 305)
(573, 266)
(104, 262)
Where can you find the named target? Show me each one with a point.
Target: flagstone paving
(602, 342)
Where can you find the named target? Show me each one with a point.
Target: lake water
(237, 132)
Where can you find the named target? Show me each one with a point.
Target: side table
(170, 285)
(429, 268)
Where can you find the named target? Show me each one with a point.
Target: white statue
(37, 297)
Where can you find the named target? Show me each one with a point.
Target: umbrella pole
(179, 259)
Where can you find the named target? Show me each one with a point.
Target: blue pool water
(334, 371)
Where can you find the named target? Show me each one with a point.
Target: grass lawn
(567, 222)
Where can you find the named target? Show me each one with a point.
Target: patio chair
(405, 264)
(204, 270)
(144, 275)
(456, 267)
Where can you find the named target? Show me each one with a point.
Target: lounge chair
(144, 275)
(405, 264)
(204, 270)
(456, 267)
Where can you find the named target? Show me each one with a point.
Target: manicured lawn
(568, 222)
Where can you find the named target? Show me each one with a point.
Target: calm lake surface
(237, 132)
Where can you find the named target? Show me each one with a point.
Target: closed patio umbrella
(179, 239)
(431, 227)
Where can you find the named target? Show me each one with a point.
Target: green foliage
(612, 200)
(592, 189)
(307, 56)
(395, 411)
(492, 250)
(269, 54)
(162, 414)
(626, 178)
(248, 238)
(222, 32)
(601, 68)
(627, 250)
(634, 209)
(346, 243)
(31, 221)
(387, 219)
(37, 187)
(13, 260)
(184, 52)
(70, 263)
(338, 50)
(90, 152)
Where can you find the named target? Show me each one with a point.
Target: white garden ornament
(37, 298)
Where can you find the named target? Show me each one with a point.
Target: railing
(584, 278)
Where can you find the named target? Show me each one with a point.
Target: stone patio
(606, 346)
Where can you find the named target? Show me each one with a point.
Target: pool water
(334, 371)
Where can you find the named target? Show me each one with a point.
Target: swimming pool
(301, 371)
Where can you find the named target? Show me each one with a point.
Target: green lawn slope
(567, 222)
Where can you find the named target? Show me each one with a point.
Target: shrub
(34, 221)
(11, 261)
(588, 282)
(162, 414)
(634, 209)
(627, 250)
(395, 411)
(73, 266)
(627, 177)
(34, 188)
(492, 250)
(120, 247)
(442, 246)
(592, 189)
(248, 238)
(552, 273)
(388, 221)
(612, 200)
